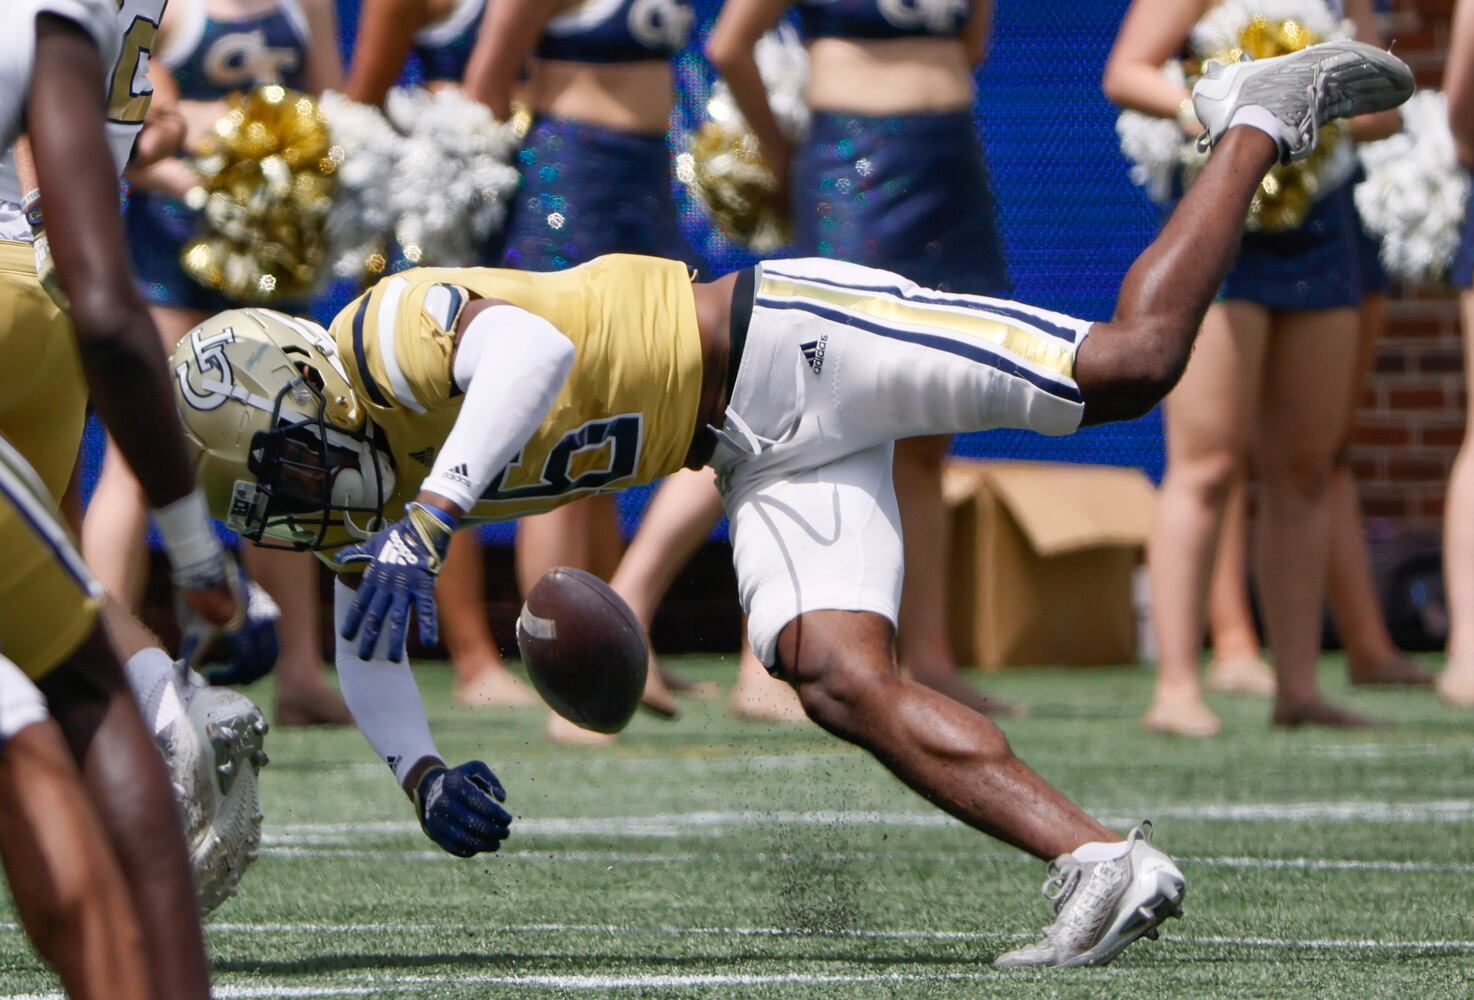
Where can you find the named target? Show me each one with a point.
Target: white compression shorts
(840, 362)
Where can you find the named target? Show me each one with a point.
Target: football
(583, 648)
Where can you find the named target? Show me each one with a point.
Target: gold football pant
(43, 396)
(48, 600)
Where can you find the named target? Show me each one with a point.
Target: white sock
(1099, 850)
(1254, 116)
(152, 678)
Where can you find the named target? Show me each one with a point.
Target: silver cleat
(231, 731)
(1303, 91)
(1103, 906)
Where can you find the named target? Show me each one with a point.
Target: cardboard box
(1042, 561)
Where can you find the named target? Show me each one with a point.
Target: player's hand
(214, 590)
(460, 808)
(403, 561)
(162, 136)
(235, 655)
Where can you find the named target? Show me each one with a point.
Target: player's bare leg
(68, 890)
(923, 640)
(482, 679)
(130, 791)
(842, 665)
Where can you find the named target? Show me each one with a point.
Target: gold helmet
(283, 448)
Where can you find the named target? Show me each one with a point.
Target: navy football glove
(403, 561)
(232, 654)
(460, 808)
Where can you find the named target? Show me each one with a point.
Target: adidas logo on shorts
(813, 352)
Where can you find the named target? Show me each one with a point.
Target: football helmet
(283, 448)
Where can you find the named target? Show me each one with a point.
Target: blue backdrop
(1072, 221)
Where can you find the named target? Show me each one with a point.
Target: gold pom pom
(267, 171)
(726, 169)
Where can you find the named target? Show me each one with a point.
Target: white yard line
(669, 930)
(683, 824)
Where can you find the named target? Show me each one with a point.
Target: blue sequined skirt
(158, 227)
(588, 191)
(1373, 275)
(1461, 271)
(1317, 266)
(908, 193)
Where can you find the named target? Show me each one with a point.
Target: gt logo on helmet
(209, 356)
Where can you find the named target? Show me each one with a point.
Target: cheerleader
(890, 174)
(439, 33)
(1271, 376)
(206, 50)
(1456, 684)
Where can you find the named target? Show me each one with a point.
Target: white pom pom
(1415, 191)
(366, 148)
(454, 175)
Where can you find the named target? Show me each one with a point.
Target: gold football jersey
(625, 416)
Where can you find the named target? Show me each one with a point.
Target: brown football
(583, 649)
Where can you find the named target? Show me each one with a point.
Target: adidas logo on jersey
(460, 474)
(813, 352)
(425, 456)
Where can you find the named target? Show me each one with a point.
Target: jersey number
(620, 434)
(125, 105)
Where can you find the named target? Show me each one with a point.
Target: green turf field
(715, 858)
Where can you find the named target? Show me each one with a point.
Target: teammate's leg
(130, 790)
(68, 891)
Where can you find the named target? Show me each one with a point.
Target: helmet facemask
(311, 475)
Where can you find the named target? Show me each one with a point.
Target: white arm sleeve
(511, 366)
(383, 698)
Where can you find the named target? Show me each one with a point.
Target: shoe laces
(1064, 874)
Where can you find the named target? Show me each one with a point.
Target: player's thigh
(828, 539)
(43, 394)
(840, 358)
(1212, 412)
(48, 600)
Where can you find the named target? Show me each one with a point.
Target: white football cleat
(231, 731)
(1103, 906)
(1302, 91)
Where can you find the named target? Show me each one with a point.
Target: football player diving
(442, 398)
(90, 831)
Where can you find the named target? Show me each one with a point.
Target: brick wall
(1410, 419)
